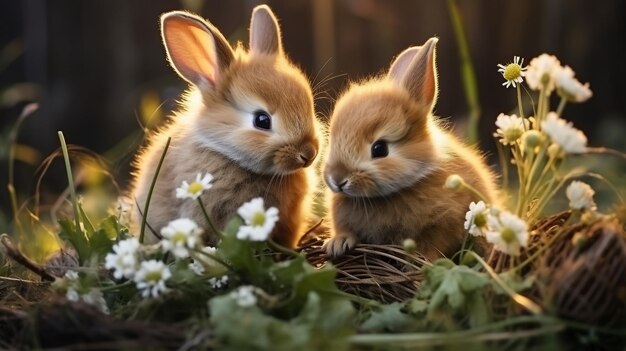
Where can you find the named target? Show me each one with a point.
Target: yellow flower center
(153, 276)
(480, 220)
(508, 235)
(512, 134)
(195, 188)
(512, 71)
(258, 219)
(179, 238)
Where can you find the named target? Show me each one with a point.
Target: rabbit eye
(380, 149)
(262, 120)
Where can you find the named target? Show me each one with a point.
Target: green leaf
(515, 282)
(76, 238)
(388, 318)
(88, 226)
(450, 284)
(100, 243)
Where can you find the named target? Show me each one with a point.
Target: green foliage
(304, 309)
(91, 242)
(322, 324)
(456, 288)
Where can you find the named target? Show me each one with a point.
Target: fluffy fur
(214, 131)
(385, 200)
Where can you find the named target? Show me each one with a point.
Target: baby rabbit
(388, 161)
(247, 119)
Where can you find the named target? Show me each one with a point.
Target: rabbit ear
(401, 63)
(264, 31)
(419, 76)
(195, 48)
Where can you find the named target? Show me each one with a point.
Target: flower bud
(454, 182)
(532, 138)
(555, 151)
(409, 245)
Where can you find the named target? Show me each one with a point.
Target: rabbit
(248, 120)
(388, 161)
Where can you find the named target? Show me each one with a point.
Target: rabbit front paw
(340, 244)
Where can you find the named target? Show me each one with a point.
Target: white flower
(541, 72)
(200, 261)
(569, 139)
(580, 196)
(510, 128)
(569, 87)
(513, 72)
(179, 236)
(507, 232)
(94, 297)
(476, 218)
(195, 189)
(245, 296)
(124, 259)
(259, 223)
(71, 275)
(218, 282)
(151, 278)
(72, 295)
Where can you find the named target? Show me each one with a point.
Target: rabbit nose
(337, 186)
(340, 186)
(307, 154)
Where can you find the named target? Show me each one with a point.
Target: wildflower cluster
(537, 145)
(155, 269)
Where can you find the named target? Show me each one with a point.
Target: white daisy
(580, 196)
(179, 236)
(95, 298)
(541, 72)
(563, 133)
(510, 128)
(513, 72)
(259, 222)
(200, 260)
(476, 218)
(245, 296)
(72, 294)
(218, 282)
(71, 275)
(151, 278)
(569, 87)
(195, 189)
(123, 260)
(507, 232)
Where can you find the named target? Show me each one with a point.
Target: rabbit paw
(340, 244)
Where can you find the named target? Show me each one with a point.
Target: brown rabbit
(389, 159)
(248, 120)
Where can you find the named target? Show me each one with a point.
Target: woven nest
(581, 268)
(583, 274)
(386, 273)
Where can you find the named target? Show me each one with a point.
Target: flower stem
(475, 192)
(70, 180)
(208, 219)
(276, 246)
(519, 103)
(559, 109)
(215, 258)
(525, 302)
(154, 179)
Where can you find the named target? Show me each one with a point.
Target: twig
(16, 255)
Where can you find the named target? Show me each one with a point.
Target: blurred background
(97, 69)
